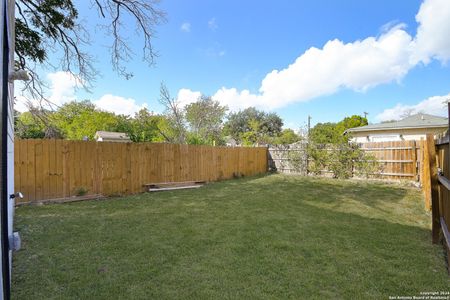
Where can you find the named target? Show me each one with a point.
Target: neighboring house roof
(229, 141)
(112, 136)
(411, 122)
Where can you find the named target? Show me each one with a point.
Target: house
(230, 142)
(108, 136)
(414, 127)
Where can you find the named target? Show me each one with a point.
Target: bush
(367, 166)
(317, 158)
(343, 160)
(297, 161)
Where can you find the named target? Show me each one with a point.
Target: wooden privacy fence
(52, 169)
(439, 162)
(289, 158)
(397, 159)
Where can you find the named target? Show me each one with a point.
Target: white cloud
(62, 89)
(357, 66)
(436, 105)
(186, 96)
(212, 24)
(20, 103)
(186, 27)
(235, 99)
(118, 104)
(433, 33)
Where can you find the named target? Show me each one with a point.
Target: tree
(175, 129)
(29, 127)
(287, 136)
(77, 120)
(326, 133)
(238, 123)
(241, 125)
(352, 122)
(144, 127)
(253, 135)
(205, 119)
(271, 124)
(333, 133)
(44, 26)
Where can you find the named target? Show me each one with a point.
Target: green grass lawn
(268, 237)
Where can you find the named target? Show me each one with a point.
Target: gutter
(360, 129)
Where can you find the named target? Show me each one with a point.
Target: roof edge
(394, 128)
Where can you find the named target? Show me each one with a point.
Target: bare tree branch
(174, 113)
(45, 25)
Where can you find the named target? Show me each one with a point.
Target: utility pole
(365, 115)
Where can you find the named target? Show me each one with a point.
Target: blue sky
(368, 57)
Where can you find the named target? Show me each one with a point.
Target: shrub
(317, 158)
(297, 161)
(344, 160)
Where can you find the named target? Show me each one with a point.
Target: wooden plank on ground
(174, 188)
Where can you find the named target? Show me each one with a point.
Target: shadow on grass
(266, 237)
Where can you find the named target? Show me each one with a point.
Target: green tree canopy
(205, 119)
(77, 120)
(253, 126)
(29, 127)
(287, 136)
(333, 133)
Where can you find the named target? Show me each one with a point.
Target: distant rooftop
(411, 122)
(109, 135)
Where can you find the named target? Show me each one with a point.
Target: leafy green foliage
(318, 158)
(205, 118)
(82, 119)
(251, 126)
(297, 161)
(367, 166)
(343, 160)
(333, 133)
(76, 120)
(144, 127)
(286, 137)
(39, 20)
(29, 127)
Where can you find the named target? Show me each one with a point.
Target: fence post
(426, 172)
(430, 150)
(414, 158)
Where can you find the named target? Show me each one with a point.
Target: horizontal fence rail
(398, 159)
(54, 169)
